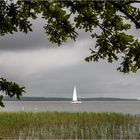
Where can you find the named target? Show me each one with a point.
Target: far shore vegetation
(66, 125)
(26, 98)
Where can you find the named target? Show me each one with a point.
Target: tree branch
(119, 7)
(88, 18)
(61, 22)
(133, 1)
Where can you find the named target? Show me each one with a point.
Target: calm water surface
(132, 107)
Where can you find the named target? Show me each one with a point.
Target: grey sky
(50, 71)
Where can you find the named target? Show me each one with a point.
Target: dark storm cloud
(21, 41)
(37, 39)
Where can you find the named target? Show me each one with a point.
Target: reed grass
(64, 125)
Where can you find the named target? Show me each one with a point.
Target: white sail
(74, 98)
(74, 95)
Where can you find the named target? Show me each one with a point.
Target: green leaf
(133, 69)
(1, 98)
(87, 59)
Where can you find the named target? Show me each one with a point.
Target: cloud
(19, 41)
(54, 72)
(35, 40)
(32, 62)
(47, 70)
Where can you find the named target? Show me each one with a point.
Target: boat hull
(76, 102)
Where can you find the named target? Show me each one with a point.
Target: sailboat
(75, 99)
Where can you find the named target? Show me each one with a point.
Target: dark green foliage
(11, 89)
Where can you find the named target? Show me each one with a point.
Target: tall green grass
(54, 125)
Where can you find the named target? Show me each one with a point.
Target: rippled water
(132, 107)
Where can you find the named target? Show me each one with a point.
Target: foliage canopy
(114, 18)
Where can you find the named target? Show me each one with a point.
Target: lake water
(132, 107)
